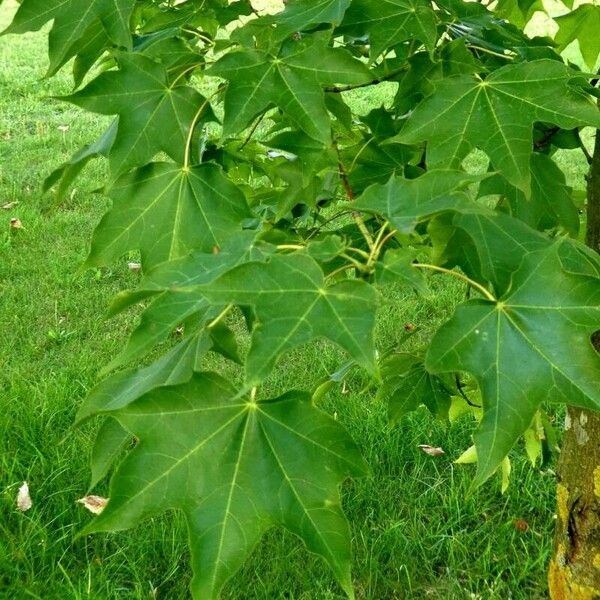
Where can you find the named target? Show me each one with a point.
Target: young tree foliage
(266, 210)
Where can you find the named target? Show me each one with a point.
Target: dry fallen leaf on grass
(16, 223)
(24, 502)
(134, 267)
(431, 451)
(9, 205)
(521, 525)
(95, 504)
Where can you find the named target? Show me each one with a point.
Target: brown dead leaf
(521, 525)
(9, 205)
(95, 504)
(16, 223)
(24, 502)
(431, 450)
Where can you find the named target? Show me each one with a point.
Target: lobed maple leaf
(390, 22)
(497, 114)
(292, 80)
(165, 211)
(235, 467)
(72, 21)
(515, 348)
(154, 114)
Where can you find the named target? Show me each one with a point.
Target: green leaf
(303, 187)
(292, 81)
(407, 385)
(314, 155)
(302, 15)
(406, 202)
(154, 114)
(294, 306)
(174, 299)
(497, 114)
(327, 249)
(396, 267)
(111, 441)
(235, 468)
(370, 162)
(390, 22)
(418, 80)
(166, 211)
(71, 20)
(582, 25)
(531, 346)
(518, 12)
(551, 204)
(65, 175)
(486, 245)
(121, 389)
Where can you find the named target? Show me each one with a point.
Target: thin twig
(461, 391)
(350, 194)
(586, 152)
(347, 88)
(253, 130)
(486, 293)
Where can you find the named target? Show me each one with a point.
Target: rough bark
(574, 572)
(593, 200)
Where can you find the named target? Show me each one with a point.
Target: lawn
(417, 533)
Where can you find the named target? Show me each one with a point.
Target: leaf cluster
(269, 213)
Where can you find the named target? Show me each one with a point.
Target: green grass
(417, 533)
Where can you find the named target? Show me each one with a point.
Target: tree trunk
(575, 568)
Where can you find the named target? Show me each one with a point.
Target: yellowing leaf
(468, 457)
